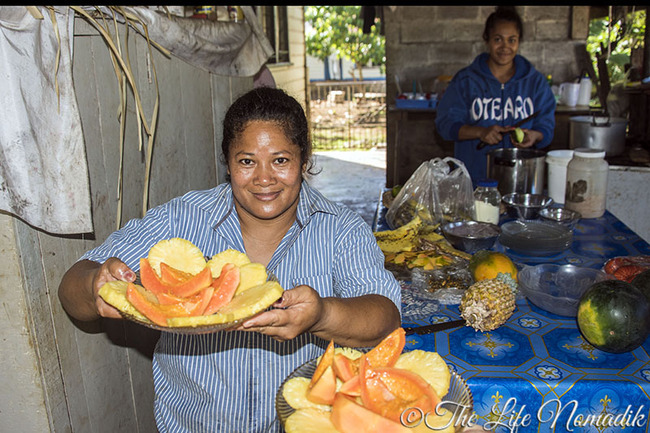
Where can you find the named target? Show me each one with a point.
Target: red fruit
(225, 287)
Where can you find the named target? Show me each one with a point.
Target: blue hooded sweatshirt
(475, 97)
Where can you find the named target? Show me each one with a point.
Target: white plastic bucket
(557, 161)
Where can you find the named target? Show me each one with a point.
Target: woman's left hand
(530, 138)
(296, 312)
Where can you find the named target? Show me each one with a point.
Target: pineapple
(242, 306)
(178, 253)
(227, 256)
(428, 365)
(309, 420)
(487, 304)
(250, 275)
(114, 293)
(294, 392)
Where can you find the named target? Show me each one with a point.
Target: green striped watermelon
(614, 316)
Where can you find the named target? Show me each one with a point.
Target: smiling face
(503, 43)
(265, 171)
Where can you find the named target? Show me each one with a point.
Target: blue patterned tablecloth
(536, 373)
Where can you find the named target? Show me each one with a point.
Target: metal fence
(348, 114)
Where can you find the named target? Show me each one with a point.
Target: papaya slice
(152, 282)
(322, 386)
(350, 417)
(351, 387)
(171, 275)
(390, 391)
(386, 353)
(225, 287)
(344, 368)
(146, 305)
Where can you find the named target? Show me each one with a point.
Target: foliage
(339, 30)
(627, 33)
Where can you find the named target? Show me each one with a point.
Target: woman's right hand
(79, 288)
(112, 269)
(493, 134)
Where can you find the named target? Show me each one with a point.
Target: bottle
(549, 79)
(487, 201)
(584, 94)
(586, 182)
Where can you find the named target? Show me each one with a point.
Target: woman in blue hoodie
(498, 89)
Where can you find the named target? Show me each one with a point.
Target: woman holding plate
(323, 253)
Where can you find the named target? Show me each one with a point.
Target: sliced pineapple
(250, 275)
(243, 305)
(227, 256)
(309, 420)
(294, 392)
(114, 293)
(428, 365)
(347, 351)
(178, 253)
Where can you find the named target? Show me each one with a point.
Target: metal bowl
(525, 206)
(471, 236)
(560, 215)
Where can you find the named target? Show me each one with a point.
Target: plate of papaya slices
(383, 389)
(179, 290)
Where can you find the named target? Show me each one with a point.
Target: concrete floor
(354, 178)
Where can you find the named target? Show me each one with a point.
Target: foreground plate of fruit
(181, 291)
(377, 390)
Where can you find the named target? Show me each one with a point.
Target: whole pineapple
(489, 303)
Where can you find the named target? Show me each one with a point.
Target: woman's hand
(530, 138)
(296, 312)
(493, 134)
(112, 269)
(79, 288)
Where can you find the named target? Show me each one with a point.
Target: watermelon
(614, 316)
(642, 282)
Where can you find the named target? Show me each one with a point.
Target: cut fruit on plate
(241, 307)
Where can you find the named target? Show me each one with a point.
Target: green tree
(339, 30)
(612, 40)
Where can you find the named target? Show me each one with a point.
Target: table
(537, 370)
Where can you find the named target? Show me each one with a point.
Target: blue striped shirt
(227, 381)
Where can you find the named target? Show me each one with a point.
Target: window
(275, 25)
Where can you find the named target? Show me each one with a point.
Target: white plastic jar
(586, 182)
(487, 201)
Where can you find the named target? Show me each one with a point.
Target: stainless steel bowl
(471, 236)
(525, 206)
(560, 215)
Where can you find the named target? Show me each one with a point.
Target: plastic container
(557, 161)
(487, 201)
(584, 94)
(586, 187)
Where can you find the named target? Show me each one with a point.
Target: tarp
(43, 169)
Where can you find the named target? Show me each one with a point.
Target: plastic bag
(439, 190)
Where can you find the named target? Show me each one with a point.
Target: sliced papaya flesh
(323, 390)
(344, 367)
(171, 275)
(390, 391)
(325, 361)
(350, 417)
(152, 282)
(351, 387)
(386, 353)
(225, 287)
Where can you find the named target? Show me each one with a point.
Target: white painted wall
(628, 197)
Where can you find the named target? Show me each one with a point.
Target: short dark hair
(269, 105)
(503, 13)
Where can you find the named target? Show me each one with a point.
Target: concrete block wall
(426, 42)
